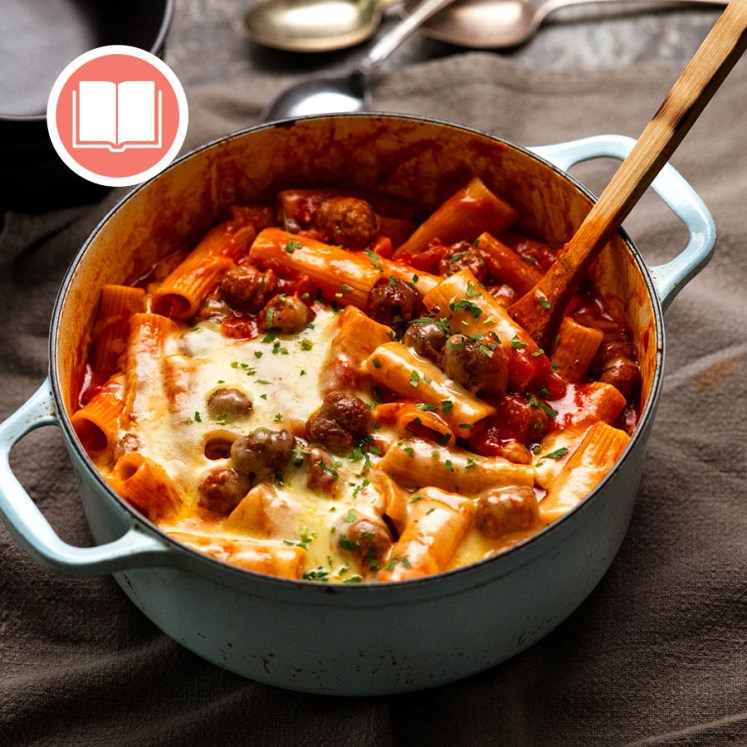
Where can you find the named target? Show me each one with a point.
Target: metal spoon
(326, 25)
(348, 92)
(490, 24)
(313, 25)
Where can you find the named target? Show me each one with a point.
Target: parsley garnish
(517, 344)
(291, 246)
(426, 407)
(414, 378)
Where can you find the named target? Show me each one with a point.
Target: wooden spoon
(540, 310)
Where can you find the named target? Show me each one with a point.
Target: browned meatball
(481, 366)
(228, 404)
(393, 302)
(322, 476)
(615, 364)
(502, 511)
(426, 339)
(245, 288)
(463, 256)
(348, 221)
(340, 423)
(212, 308)
(624, 374)
(369, 540)
(288, 314)
(262, 453)
(222, 489)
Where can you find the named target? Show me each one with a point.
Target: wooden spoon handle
(540, 310)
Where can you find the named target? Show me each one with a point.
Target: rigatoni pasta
(331, 389)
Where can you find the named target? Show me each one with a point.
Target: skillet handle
(677, 194)
(34, 533)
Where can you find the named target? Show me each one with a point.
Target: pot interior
(422, 162)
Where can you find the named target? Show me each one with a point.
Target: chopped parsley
(544, 303)
(306, 344)
(465, 305)
(535, 402)
(198, 417)
(426, 407)
(318, 574)
(446, 406)
(291, 246)
(377, 363)
(347, 544)
(517, 344)
(414, 378)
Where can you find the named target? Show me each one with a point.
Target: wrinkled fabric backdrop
(656, 655)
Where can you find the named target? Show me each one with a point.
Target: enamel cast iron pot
(351, 639)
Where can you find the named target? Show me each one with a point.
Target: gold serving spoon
(541, 309)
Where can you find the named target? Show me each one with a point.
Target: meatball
(624, 374)
(228, 404)
(222, 489)
(393, 302)
(322, 478)
(615, 364)
(348, 221)
(503, 511)
(246, 288)
(262, 453)
(212, 308)
(463, 256)
(480, 366)
(288, 314)
(340, 423)
(427, 339)
(369, 540)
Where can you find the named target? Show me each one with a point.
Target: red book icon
(117, 116)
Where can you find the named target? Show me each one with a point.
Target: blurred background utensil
(348, 92)
(493, 24)
(327, 25)
(313, 25)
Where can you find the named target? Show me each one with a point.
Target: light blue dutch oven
(351, 639)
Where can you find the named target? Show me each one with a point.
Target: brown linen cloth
(656, 655)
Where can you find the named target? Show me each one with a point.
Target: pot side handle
(677, 194)
(34, 533)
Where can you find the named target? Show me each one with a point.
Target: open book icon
(117, 116)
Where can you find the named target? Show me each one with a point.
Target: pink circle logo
(117, 115)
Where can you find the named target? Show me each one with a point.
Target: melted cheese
(281, 375)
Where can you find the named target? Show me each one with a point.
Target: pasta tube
(575, 350)
(417, 463)
(436, 525)
(471, 310)
(145, 352)
(400, 369)
(592, 460)
(182, 292)
(506, 265)
(261, 557)
(462, 217)
(97, 423)
(118, 304)
(146, 485)
(343, 277)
